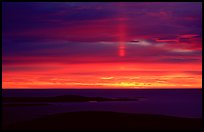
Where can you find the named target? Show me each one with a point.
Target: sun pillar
(122, 30)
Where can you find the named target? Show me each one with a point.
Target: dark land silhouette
(101, 120)
(65, 98)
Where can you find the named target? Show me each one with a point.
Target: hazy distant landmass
(102, 120)
(23, 104)
(65, 98)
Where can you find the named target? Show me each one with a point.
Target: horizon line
(95, 88)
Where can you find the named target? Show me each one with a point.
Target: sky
(102, 45)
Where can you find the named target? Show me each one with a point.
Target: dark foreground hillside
(98, 120)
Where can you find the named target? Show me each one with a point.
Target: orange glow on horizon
(106, 75)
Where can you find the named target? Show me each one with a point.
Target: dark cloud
(194, 72)
(31, 15)
(76, 30)
(180, 60)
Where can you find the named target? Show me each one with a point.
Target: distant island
(65, 98)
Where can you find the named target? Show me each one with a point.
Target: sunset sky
(102, 45)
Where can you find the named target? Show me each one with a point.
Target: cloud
(77, 35)
(93, 52)
(59, 21)
(106, 78)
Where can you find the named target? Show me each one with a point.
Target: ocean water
(173, 102)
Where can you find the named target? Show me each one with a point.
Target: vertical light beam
(121, 40)
(122, 31)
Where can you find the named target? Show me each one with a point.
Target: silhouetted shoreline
(65, 98)
(102, 120)
(21, 105)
